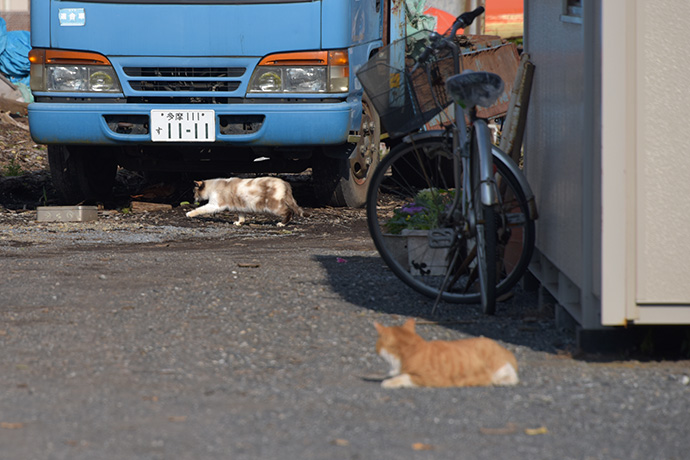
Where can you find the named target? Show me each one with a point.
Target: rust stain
(396, 5)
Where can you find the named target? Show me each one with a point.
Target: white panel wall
(663, 156)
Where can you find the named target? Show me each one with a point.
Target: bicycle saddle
(474, 88)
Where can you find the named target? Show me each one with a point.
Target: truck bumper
(288, 124)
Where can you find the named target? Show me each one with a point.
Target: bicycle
(450, 214)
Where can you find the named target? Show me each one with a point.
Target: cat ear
(409, 324)
(199, 184)
(378, 327)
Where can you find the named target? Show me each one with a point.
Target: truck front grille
(184, 79)
(185, 72)
(180, 85)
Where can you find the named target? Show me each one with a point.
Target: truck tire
(82, 173)
(342, 174)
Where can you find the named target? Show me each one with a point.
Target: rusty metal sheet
(478, 42)
(487, 53)
(502, 60)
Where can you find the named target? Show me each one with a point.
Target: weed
(13, 168)
(44, 197)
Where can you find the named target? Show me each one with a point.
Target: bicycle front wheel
(433, 253)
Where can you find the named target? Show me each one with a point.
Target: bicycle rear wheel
(412, 186)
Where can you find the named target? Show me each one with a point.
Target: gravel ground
(154, 336)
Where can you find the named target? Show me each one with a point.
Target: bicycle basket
(404, 97)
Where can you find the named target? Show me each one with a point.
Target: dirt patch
(18, 152)
(24, 177)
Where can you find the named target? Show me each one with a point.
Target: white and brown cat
(415, 362)
(270, 195)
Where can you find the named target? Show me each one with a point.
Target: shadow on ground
(367, 282)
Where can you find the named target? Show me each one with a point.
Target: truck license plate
(183, 125)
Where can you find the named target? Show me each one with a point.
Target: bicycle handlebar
(465, 19)
(461, 22)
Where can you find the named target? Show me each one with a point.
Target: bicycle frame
(461, 146)
(461, 149)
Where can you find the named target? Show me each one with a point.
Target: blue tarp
(14, 53)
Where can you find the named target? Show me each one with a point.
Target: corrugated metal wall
(555, 130)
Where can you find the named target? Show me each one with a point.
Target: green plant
(44, 197)
(423, 213)
(12, 168)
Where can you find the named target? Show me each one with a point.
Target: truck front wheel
(82, 173)
(342, 174)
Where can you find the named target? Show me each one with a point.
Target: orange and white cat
(459, 363)
(270, 195)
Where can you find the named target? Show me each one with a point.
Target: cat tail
(506, 375)
(294, 207)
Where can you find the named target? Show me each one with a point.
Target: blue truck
(206, 88)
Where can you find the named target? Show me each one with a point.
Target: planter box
(411, 250)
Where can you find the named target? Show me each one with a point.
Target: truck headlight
(72, 72)
(302, 72)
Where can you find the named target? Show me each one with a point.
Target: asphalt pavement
(163, 338)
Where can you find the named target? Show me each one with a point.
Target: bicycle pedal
(441, 237)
